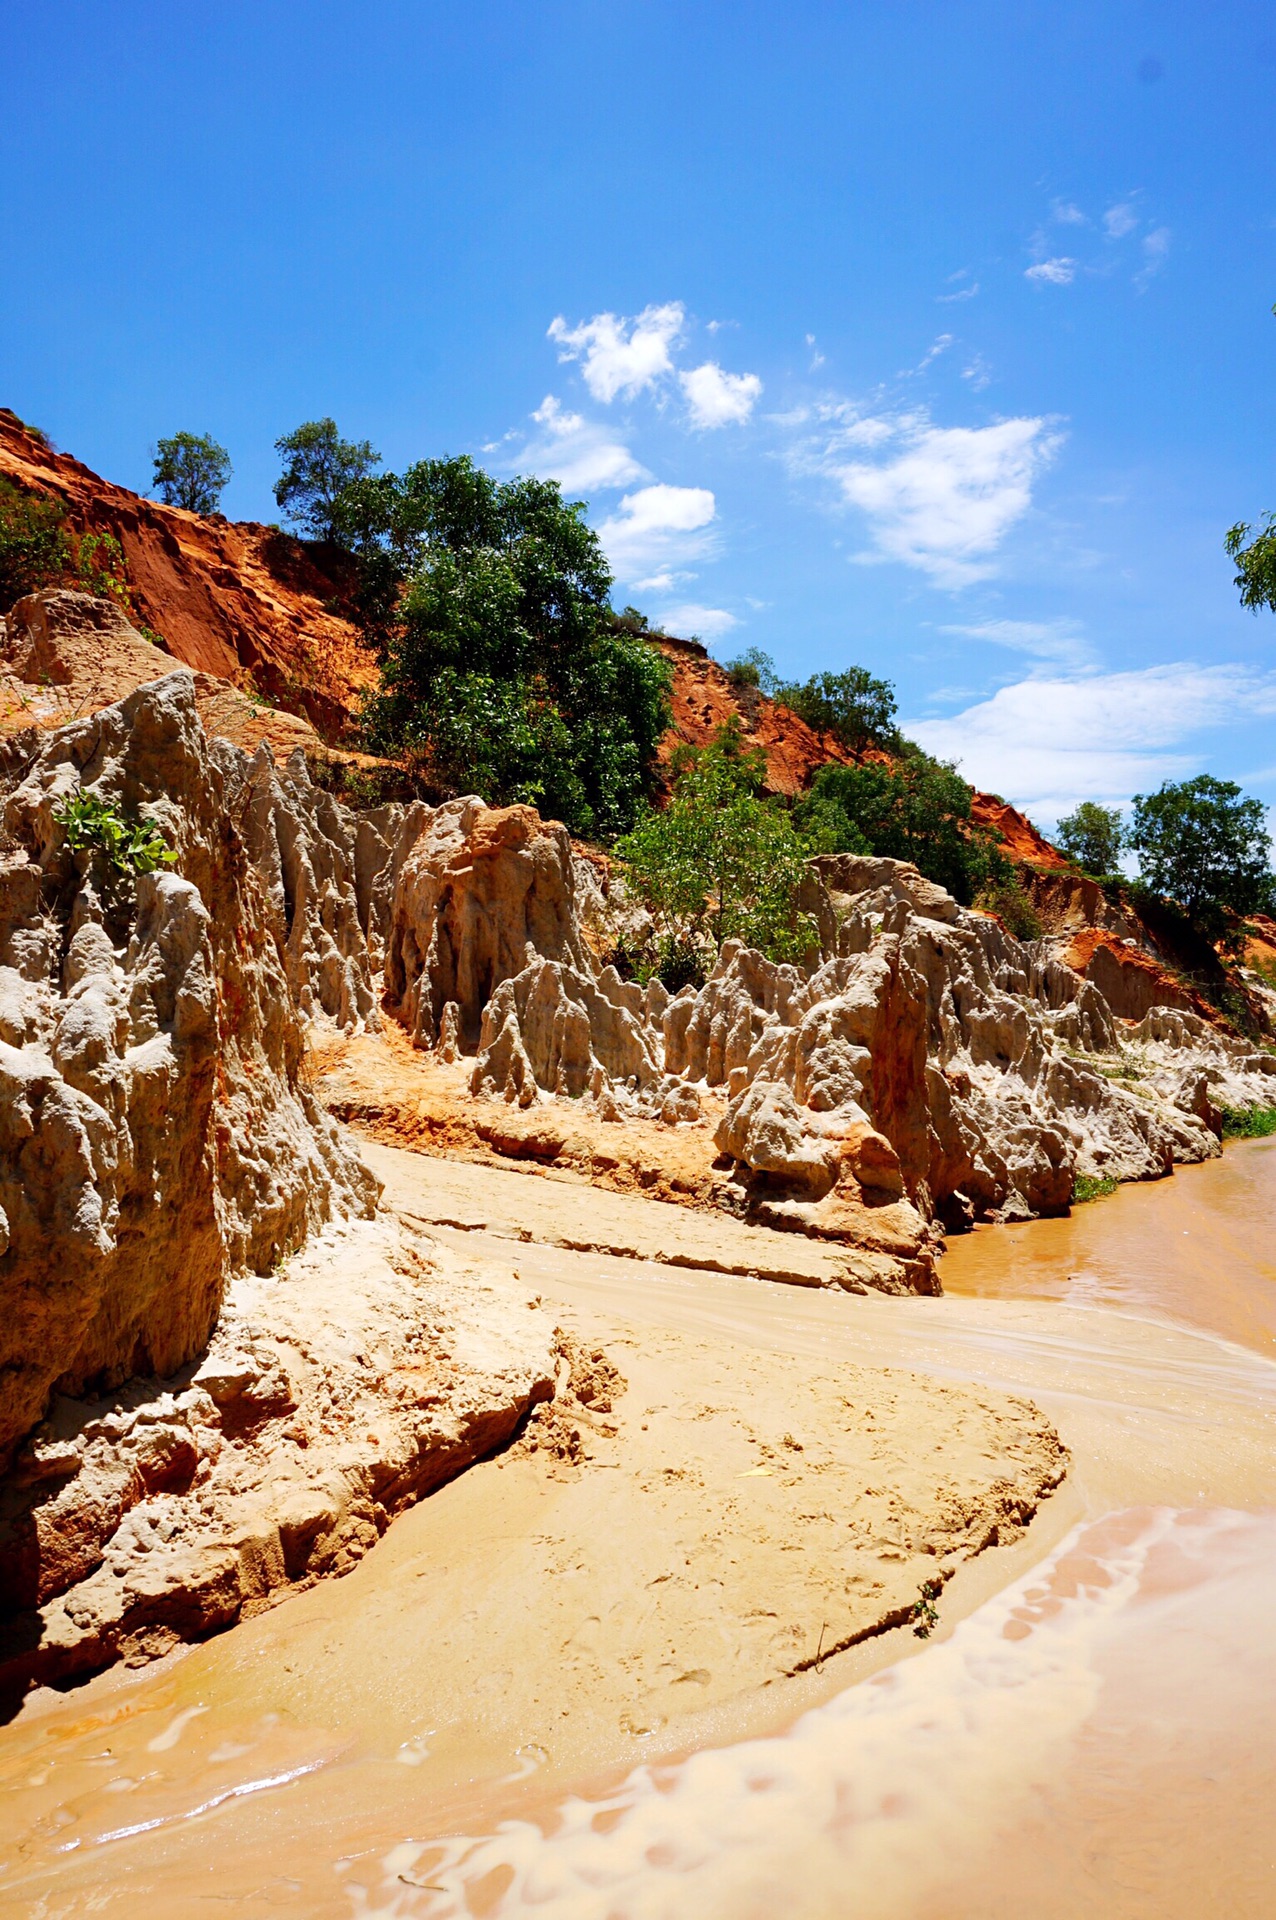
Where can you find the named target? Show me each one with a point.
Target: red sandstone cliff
(232, 599)
(228, 599)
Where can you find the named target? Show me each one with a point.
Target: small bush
(1092, 1186)
(1007, 899)
(34, 549)
(100, 563)
(752, 670)
(925, 1612)
(1248, 1123)
(92, 825)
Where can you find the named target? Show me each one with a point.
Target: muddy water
(1199, 1248)
(1089, 1733)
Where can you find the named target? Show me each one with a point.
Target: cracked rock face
(155, 1132)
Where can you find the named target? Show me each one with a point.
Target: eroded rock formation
(156, 1133)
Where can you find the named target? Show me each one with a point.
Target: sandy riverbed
(483, 1658)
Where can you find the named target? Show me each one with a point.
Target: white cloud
(658, 528)
(978, 373)
(1054, 640)
(1068, 214)
(718, 399)
(962, 293)
(1047, 743)
(1058, 272)
(621, 356)
(1120, 220)
(1156, 251)
(582, 455)
(939, 345)
(948, 498)
(710, 623)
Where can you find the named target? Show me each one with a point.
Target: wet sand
(1087, 1732)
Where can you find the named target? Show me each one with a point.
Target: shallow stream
(1089, 1732)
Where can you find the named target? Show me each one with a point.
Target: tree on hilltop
(503, 670)
(1205, 845)
(191, 471)
(855, 706)
(318, 466)
(1093, 836)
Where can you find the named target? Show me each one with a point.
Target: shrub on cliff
(318, 466)
(854, 706)
(915, 809)
(1204, 845)
(719, 862)
(503, 671)
(34, 548)
(1094, 837)
(191, 471)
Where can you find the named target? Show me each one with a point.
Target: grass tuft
(1092, 1186)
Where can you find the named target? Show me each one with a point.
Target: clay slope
(228, 599)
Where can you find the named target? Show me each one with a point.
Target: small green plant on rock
(92, 825)
(925, 1612)
(1092, 1186)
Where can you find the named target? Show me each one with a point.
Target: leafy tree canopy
(318, 466)
(855, 706)
(503, 670)
(191, 471)
(1205, 845)
(916, 809)
(719, 862)
(1093, 836)
(1255, 557)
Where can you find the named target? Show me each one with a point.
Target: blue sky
(935, 337)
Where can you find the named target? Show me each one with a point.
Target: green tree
(915, 809)
(503, 670)
(855, 706)
(191, 471)
(719, 862)
(1093, 836)
(34, 549)
(318, 467)
(1255, 557)
(1204, 844)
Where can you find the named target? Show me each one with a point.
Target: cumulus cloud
(1059, 272)
(1068, 214)
(944, 498)
(581, 455)
(658, 529)
(621, 357)
(718, 399)
(710, 623)
(1047, 743)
